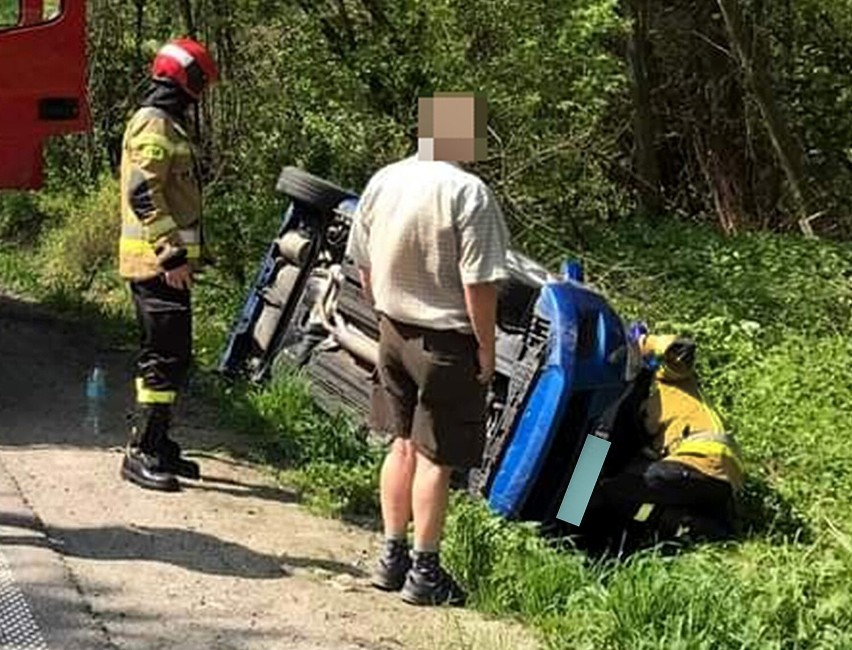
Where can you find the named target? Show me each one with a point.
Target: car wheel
(311, 190)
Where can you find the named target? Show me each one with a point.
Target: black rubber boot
(144, 470)
(392, 566)
(172, 461)
(142, 464)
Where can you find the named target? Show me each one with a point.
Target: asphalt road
(90, 562)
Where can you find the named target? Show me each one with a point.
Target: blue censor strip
(583, 481)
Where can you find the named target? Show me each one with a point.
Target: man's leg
(165, 321)
(394, 397)
(430, 495)
(395, 488)
(696, 503)
(427, 582)
(174, 356)
(448, 431)
(154, 395)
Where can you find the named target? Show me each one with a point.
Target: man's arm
(481, 302)
(483, 240)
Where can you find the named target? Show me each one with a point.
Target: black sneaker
(392, 567)
(172, 462)
(144, 470)
(427, 583)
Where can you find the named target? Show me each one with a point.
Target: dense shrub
(21, 218)
(85, 240)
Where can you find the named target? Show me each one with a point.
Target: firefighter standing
(159, 250)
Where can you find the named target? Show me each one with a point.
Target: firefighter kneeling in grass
(160, 249)
(688, 479)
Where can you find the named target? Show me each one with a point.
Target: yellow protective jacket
(160, 197)
(685, 428)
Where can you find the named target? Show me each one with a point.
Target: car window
(10, 13)
(51, 9)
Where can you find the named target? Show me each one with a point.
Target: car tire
(311, 190)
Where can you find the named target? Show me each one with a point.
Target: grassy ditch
(327, 458)
(771, 315)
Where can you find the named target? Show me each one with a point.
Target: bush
(328, 458)
(21, 219)
(86, 239)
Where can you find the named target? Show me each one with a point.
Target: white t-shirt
(425, 229)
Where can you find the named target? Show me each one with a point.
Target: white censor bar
(583, 480)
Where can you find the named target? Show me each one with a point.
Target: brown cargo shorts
(427, 391)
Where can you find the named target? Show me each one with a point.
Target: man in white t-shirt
(430, 241)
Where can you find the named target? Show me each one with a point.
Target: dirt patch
(230, 562)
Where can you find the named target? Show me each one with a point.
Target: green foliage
(813, 40)
(18, 271)
(791, 408)
(86, 238)
(340, 489)
(9, 13)
(333, 87)
(760, 285)
(327, 457)
(21, 219)
(216, 303)
(756, 597)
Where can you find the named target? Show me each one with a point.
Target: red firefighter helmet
(187, 63)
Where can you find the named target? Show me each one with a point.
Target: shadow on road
(189, 549)
(222, 485)
(44, 362)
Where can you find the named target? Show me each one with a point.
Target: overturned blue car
(565, 367)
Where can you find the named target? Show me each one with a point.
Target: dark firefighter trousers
(674, 493)
(164, 316)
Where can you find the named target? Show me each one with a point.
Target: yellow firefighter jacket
(160, 197)
(685, 428)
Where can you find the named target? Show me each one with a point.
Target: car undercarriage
(563, 363)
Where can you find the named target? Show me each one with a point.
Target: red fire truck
(42, 83)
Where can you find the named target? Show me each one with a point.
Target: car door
(42, 82)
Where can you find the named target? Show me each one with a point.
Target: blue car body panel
(587, 352)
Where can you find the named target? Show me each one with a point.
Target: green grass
(326, 457)
(775, 359)
(772, 317)
(749, 595)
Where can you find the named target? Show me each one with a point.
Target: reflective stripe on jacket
(160, 197)
(687, 430)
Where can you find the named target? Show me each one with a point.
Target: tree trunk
(186, 12)
(644, 150)
(754, 65)
(140, 28)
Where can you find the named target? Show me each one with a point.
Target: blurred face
(452, 127)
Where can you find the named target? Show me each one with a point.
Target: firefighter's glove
(170, 256)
